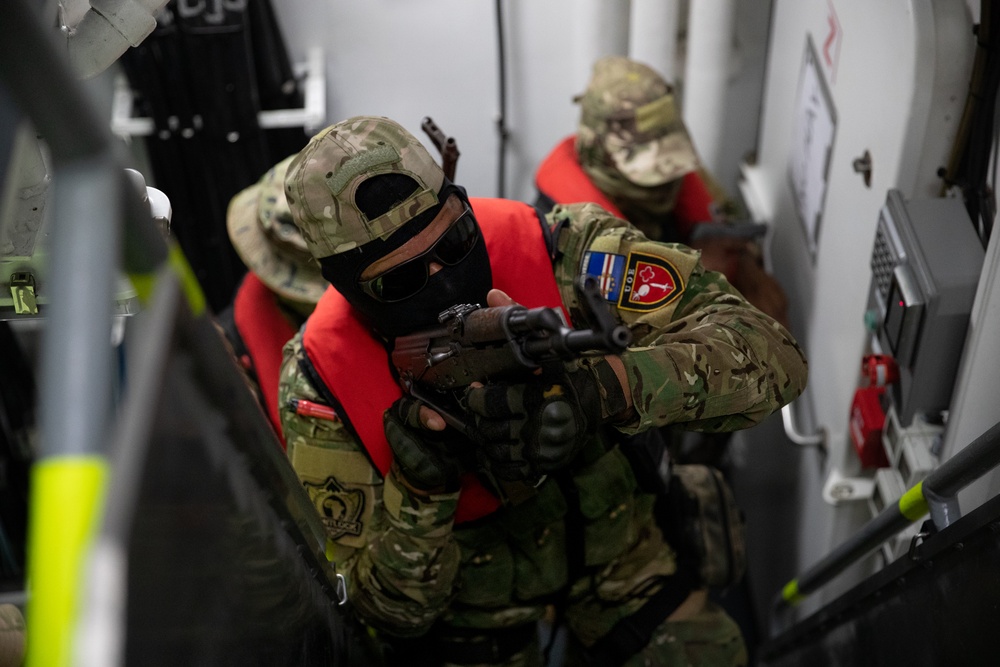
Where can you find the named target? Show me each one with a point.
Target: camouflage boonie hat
(629, 121)
(264, 235)
(324, 177)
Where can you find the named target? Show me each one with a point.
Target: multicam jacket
(701, 356)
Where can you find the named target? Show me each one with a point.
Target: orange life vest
(561, 178)
(264, 330)
(353, 365)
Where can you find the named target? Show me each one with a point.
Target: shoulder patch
(339, 508)
(609, 269)
(651, 282)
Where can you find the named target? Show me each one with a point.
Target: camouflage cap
(264, 235)
(629, 121)
(323, 179)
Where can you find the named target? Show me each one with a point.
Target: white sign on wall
(812, 145)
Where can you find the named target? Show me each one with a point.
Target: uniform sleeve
(394, 547)
(701, 355)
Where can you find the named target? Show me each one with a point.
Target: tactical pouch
(706, 526)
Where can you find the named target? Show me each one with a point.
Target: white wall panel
(408, 59)
(708, 71)
(896, 73)
(653, 35)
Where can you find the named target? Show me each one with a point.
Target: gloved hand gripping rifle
(476, 344)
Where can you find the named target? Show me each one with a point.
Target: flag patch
(608, 269)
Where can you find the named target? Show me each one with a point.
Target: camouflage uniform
(588, 540)
(633, 146)
(632, 143)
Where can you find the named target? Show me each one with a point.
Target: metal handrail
(99, 226)
(816, 439)
(936, 494)
(93, 219)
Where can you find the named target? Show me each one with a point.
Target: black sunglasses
(407, 279)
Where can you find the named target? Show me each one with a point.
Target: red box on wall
(867, 422)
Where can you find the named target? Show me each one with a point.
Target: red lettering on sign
(831, 46)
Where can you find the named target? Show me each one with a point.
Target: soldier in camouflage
(434, 563)
(633, 147)
(632, 143)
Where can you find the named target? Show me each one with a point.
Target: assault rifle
(476, 344)
(446, 146)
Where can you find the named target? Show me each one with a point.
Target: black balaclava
(467, 282)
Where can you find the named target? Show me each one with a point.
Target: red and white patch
(650, 282)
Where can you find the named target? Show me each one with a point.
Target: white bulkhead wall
(897, 73)
(438, 58)
(408, 60)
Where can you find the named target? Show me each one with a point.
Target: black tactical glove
(525, 430)
(421, 455)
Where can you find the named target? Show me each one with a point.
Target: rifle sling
(630, 635)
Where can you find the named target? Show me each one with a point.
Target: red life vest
(264, 330)
(354, 366)
(561, 178)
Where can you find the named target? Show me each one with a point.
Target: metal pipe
(941, 486)
(602, 29)
(77, 358)
(711, 25)
(944, 510)
(88, 206)
(653, 28)
(107, 30)
(155, 334)
(70, 472)
(501, 120)
(795, 435)
(100, 640)
(872, 534)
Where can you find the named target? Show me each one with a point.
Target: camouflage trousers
(708, 638)
(704, 637)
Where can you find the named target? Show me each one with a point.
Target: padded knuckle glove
(526, 430)
(422, 456)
